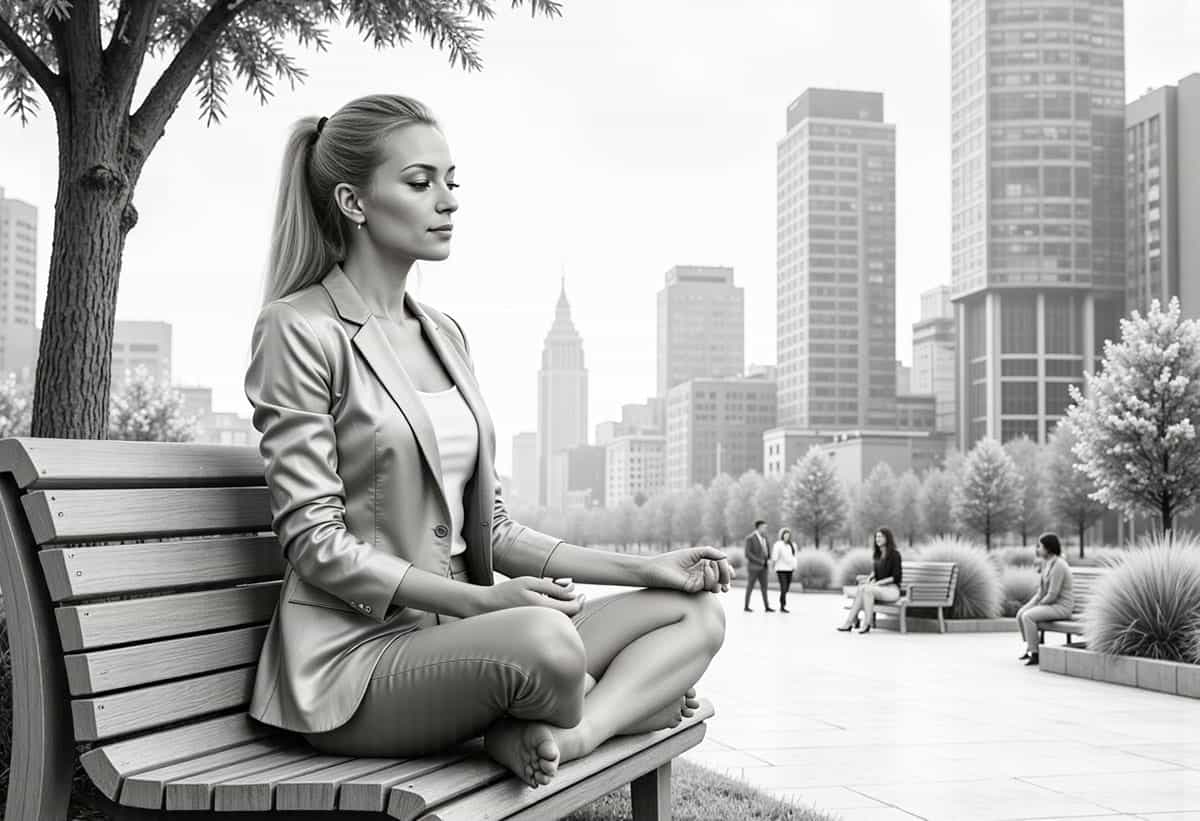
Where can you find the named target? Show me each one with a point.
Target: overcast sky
(615, 142)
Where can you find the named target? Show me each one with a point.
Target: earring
(360, 225)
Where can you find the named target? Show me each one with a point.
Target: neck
(381, 281)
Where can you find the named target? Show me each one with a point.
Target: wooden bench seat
(139, 579)
(926, 584)
(1083, 583)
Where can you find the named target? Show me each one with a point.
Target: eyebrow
(426, 166)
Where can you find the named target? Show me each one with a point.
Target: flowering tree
(813, 499)
(16, 404)
(147, 411)
(1070, 491)
(989, 500)
(1136, 426)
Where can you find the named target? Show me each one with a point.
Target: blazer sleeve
(1054, 583)
(289, 383)
(517, 550)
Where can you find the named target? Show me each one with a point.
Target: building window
(1018, 325)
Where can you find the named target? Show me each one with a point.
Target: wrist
(476, 602)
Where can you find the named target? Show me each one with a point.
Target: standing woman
(783, 556)
(390, 637)
(883, 585)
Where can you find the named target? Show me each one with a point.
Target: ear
(348, 202)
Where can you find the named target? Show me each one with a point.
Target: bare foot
(669, 716)
(527, 748)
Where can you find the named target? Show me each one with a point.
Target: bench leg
(651, 794)
(941, 622)
(903, 619)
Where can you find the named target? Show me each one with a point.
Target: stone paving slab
(888, 726)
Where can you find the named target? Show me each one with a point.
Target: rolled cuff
(526, 554)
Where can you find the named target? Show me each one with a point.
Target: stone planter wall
(921, 624)
(1171, 677)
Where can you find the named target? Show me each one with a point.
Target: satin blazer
(355, 483)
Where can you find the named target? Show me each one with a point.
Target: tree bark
(1082, 528)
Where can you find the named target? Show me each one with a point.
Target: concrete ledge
(921, 624)
(1172, 677)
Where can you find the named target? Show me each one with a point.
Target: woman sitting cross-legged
(883, 585)
(1054, 599)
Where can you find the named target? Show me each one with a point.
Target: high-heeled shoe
(845, 629)
(862, 631)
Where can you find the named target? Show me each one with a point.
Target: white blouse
(458, 445)
(784, 556)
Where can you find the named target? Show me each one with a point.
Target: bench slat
(87, 626)
(368, 793)
(104, 670)
(61, 463)
(196, 792)
(109, 764)
(319, 790)
(145, 790)
(255, 793)
(625, 756)
(59, 516)
(76, 572)
(149, 707)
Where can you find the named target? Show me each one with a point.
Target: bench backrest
(930, 581)
(1084, 581)
(161, 569)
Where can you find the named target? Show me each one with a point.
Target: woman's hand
(691, 570)
(529, 591)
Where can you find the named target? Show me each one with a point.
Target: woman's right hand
(530, 591)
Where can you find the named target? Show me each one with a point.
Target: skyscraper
(716, 426)
(836, 260)
(18, 287)
(933, 355)
(701, 325)
(1162, 201)
(562, 404)
(1037, 199)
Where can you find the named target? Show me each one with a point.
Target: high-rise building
(145, 345)
(562, 403)
(585, 475)
(633, 468)
(644, 417)
(701, 325)
(716, 426)
(18, 288)
(1162, 200)
(933, 359)
(1037, 202)
(524, 486)
(836, 260)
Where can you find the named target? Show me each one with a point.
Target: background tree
(148, 411)
(689, 516)
(715, 501)
(877, 501)
(937, 508)
(1136, 428)
(988, 501)
(664, 519)
(16, 404)
(1030, 463)
(623, 529)
(767, 502)
(86, 57)
(814, 504)
(908, 507)
(739, 510)
(1070, 491)
(645, 521)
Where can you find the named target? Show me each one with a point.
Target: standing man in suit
(757, 553)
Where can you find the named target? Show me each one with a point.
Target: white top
(458, 445)
(782, 555)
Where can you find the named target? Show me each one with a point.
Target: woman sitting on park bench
(883, 585)
(391, 638)
(1053, 600)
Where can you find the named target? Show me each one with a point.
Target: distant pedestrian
(783, 556)
(1054, 599)
(883, 585)
(757, 556)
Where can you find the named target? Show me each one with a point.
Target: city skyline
(665, 160)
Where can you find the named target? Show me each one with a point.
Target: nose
(448, 203)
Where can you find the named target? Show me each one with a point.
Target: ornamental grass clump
(1149, 605)
(1014, 557)
(978, 594)
(1018, 584)
(857, 561)
(814, 569)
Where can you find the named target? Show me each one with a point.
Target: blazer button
(366, 608)
(441, 531)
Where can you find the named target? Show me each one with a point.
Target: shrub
(1014, 557)
(978, 594)
(1018, 584)
(814, 569)
(1096, 557)
(856, 561)
(1149, 604)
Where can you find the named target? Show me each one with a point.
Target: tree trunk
(1167, 515)
(1082, 528)
(92, 216)
(817, 538)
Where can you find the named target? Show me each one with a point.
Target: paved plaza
(890, 727)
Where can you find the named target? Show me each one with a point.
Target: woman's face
(410, 198)
(880, 539)
(1041, 552)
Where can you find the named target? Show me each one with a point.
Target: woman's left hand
(692, 570)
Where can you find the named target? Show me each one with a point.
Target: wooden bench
(138, 581)
(926, 584)
(1083, 584)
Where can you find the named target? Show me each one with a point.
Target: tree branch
(127, 48)
(49, 82)
(77, 42)
(147, 124)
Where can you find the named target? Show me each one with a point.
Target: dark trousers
(757, 575)
(785, 581)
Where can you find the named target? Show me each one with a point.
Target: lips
(445, 229)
